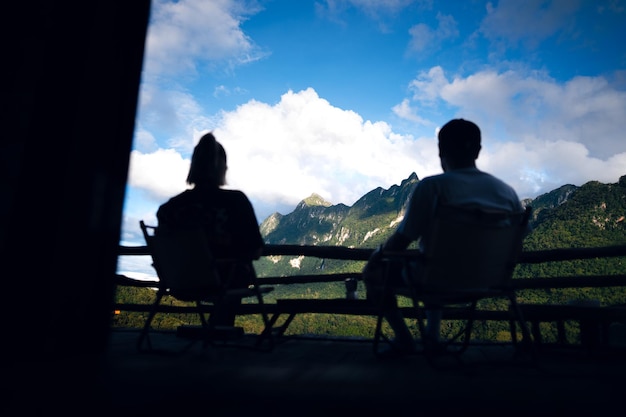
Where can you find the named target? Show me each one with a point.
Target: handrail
(569, 254)
(335, 306)
(363, 254)
(575, 281)
(328, 252)
(595, 281)
(360, 254)
(132, 250)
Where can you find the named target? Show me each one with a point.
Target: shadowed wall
(71, 79)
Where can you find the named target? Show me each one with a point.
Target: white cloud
(512, 22)
(175, 114)
(144, 140)
(161, 174)
(536, 166)
(421, 37)
(538, 134)
(405, 111)
(424, 38)
(188, 33)
(375, 9)
(302, 144)
(427, 86)
(512, 106)
(136, 267)
(382, 12)
(221, 90)
(279, 154)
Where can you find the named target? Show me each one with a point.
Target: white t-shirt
(468, 187)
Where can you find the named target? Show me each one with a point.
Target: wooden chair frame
(188, 271)
(471, 256)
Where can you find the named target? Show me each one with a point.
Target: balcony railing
(589, 317)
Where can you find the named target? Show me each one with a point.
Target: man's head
(459, 144)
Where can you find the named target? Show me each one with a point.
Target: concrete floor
(324, 377)
(311, 377)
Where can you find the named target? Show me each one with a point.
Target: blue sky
(338, 97)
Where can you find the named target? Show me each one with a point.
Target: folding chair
(471, 256)
(188, 271)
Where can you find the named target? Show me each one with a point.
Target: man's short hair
(459, 139)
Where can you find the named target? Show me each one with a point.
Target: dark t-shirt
(226, 215)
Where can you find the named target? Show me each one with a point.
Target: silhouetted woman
(227, 216)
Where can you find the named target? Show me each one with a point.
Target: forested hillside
(591, 215)
(587, 216)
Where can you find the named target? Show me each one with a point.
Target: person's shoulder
(174, 202)
(497, 179)
(433, 178)
(438, 181)
(232, 193)
(233, 196)
(178, 198)
(504, 188)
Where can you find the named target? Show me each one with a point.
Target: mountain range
(570, 216)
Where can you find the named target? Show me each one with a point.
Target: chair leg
(279, 331)
(527, 342)
(378, 332)
(465, 333)
(146, 327)
(513, 331)
(469, 326)
(206, 325)
(420, 313)
(266, 333)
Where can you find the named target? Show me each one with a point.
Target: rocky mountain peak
(314, 200)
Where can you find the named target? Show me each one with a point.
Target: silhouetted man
(461, 184)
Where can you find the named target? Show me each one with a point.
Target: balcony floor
(307, 377)
(319, 376)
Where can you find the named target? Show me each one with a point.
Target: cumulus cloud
(513, 106)
(162, 173)
(373, 8)
(535, 136)
(188, 33)
(144, 140)
(535, 167)
(538, 134)
(279, 154)
(424, 38)
(303, 144)
(175, 114)
(405, 111)
(379, 11)
(513, 22)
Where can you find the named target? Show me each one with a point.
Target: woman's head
(208, 163)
